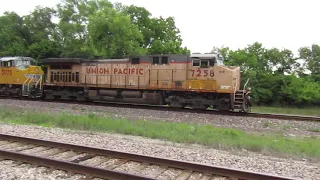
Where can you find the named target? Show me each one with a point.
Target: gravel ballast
(249, 124)
(247, 161)
(13, 170)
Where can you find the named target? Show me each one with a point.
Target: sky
(203, 24)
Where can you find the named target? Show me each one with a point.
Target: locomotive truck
(199, 81)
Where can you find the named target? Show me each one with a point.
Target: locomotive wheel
(246, 107)
(199, 106)
(33, 95)
(174, 101)
(177, 105)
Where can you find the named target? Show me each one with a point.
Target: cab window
(202, 63)
(7, 63)
(196, 62)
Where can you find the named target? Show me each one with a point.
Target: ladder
(39, 90)
(28, 89)
(239, 98)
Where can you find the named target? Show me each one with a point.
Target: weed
(287, 110)
(314, 129)
(286, 127)
(224, 138)
(266, 124)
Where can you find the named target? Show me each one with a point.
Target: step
(237, 106)
(238, 102)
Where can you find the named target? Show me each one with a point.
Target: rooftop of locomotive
(142, 58)
(16, 58)
(78, 60)
(62, 60)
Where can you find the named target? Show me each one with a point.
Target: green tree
(161, 36)
(112, 35)
(282, 61)
(73, 25)
(43, 33)
(266, 69)
(311, 56)
(14, 35)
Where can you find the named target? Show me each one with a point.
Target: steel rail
(284, 116)
(186, 110)
(71, 167)
(216, 170)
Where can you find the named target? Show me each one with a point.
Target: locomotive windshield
(220, 59)
(19, 62)
(24, 63)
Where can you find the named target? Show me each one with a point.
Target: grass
(287, 110)
(315, 130)
(223, 138)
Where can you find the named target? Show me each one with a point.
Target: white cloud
(206, 23)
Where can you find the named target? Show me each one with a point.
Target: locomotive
(20, 76)
(199, 81)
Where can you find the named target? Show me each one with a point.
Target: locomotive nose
(33, 70)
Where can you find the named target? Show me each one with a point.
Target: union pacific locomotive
(20, 76)
(198, 81)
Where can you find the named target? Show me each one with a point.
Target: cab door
(160, 73)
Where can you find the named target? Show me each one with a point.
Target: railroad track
(106, 164)
(166, 108)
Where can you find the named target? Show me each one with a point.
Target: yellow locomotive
(20, 76)
(197, 80)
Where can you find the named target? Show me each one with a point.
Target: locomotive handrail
(37, 83)
(244, 87)
(29, 84)
(235, 88)
(40, 82)
(25, 82)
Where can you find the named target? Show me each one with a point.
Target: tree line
(279, 77)
(86, 28)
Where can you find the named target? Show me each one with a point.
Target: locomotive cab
(20, 76)
(20, 63)
(210, 76)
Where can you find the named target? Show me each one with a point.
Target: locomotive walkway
(17, 148)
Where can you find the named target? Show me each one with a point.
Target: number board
(202, 73)
(6, 72)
